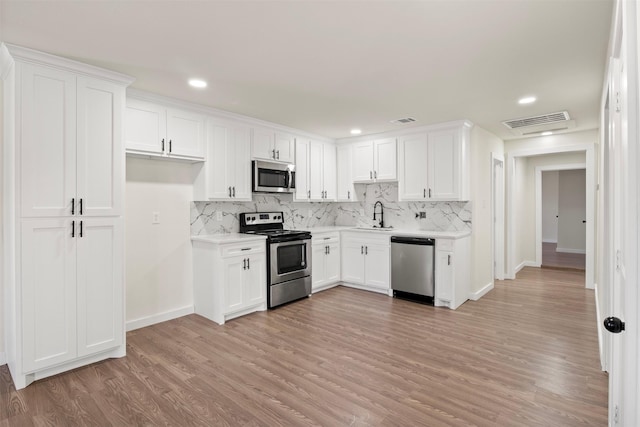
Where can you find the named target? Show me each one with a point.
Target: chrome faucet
(381, 213)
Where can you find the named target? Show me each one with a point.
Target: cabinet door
(363, 161)
(255, 281)
(234, 269)
(444, 275)
(329, 171)
(185, 131)
(145, 127)
(353, 261)
(315, 165)
(285, 147)
(100, 285)
(377, 266)
(332, 263)
(240, 159)
(443, 165)
(48, 253)
(262, 144)
(344, 180)
(302, 169)
(217, 163)
(412, 163)
(48, 143)
(385, 160)
(318, 258)
(100, 154)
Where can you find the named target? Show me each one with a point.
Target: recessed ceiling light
(546, 133)
(527, 100)
(356, 131)
(200, 84)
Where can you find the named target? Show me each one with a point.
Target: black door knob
(614, 325)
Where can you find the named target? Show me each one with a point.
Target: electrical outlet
(219, 216)
(155, 217)
(423, 215)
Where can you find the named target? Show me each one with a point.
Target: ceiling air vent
(536, 124)
(403, 121)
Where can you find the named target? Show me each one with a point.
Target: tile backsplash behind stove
(439, 216)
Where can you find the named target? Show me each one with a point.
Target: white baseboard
(549, 241)
(524, 264)
(3, 358)
(475, 296)
(157, 318)
(571, 251)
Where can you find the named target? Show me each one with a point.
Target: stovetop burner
(269, 224)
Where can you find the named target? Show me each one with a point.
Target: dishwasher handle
(413, 240)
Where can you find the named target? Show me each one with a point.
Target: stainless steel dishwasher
(412, 273)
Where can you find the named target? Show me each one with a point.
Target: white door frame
(539, 170)
(497, 215)
(590, 150)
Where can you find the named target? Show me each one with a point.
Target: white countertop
(240, 237)
(228, 238)
(395, 232)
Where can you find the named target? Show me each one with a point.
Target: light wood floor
(524, 355)
(553, 259)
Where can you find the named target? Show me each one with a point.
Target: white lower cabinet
(72, 279)
(366, 261)
(229, 279)
(326, 260)
(452, 272)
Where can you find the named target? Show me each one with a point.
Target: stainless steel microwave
(272, 177)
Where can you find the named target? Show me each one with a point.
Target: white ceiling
(327, 66)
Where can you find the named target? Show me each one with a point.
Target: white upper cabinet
(434, 165)
(345, 190)
(156, 130)
(375, 161)
(267, 144)
(71, 154)
(228, 161)
(315, 170)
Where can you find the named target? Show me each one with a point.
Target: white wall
(2, 300)
(550, 187)
(522, 210)
(572, 211)
(483, 143)
(158, 256)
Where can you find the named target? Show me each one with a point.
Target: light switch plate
(155, 217)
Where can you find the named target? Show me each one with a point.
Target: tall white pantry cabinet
(63, 226)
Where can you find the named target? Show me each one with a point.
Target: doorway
(561, 216)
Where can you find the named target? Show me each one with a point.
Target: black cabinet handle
(162, 144)
(273, 154)
(328, 250)
(424, 193)
(234, 191)
(81, 207)
(80, 233)
(73, 229)
(375, 174)
(229, 191)
(348, 195)
(278, 154)
(448, 259)
(248, 263)
(429, 193)
(361, 250)
(169, 145)
(244, 264)
(73, 206)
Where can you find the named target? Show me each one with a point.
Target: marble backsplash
(222, 217)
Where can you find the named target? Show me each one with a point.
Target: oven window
(272, 178)
(291, 258)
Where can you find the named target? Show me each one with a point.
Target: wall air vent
(544, 119)
(403, 121)
(530, 126)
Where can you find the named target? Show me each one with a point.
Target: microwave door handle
(289, 179)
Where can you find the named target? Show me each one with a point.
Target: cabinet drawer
(325, 238)
(444, 244)
(242, 249)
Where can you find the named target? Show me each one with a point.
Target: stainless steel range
(288, 256)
